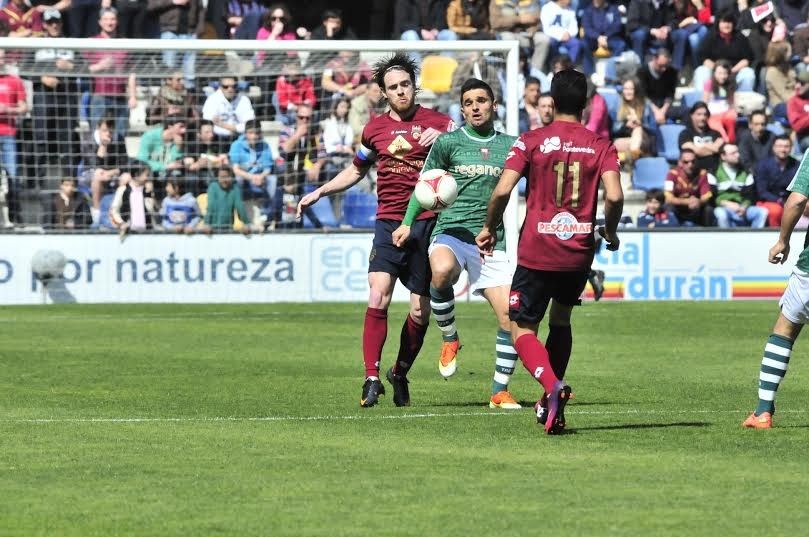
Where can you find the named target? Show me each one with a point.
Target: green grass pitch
(244, 420)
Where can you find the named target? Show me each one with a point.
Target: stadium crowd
(707, 102)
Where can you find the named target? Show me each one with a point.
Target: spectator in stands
(179, 19)
(702, 140)
(332, 27)
(773, 176)
(207, 157)
(791, 12)
(760, 37)
(688, 192)
(304, 160)
(13, 103)
(293, 89)
(161, 147)
(735, 193)
(648, 25)
(798, 111)
(689, 28)
(780, 79)
(725, 42)
(656, 214)
(106, 162)
(596, 116)
(519, 19)
(658, 80)
(422, 20)
(228, 110)
(718, 94)
(364, 108)
(70, 209)
(529, 107)
(252, 161)
(560, 24)
(172, 99)
(755, 142)
(244, 18)
(179, 211)
(547, 109)
(276, 25)
(133, 208)
(632, 132)
(344, 76)
(338, 136)
(224, 198)
(603, 33)
(21, 20)
(469, 19)
(132, 17)
(83, 17)
(55, 106)
(111, 94)
(800, 39)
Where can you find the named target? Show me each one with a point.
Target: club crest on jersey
(564, 226)
(484, 152)
(415, 132)
(514, 300)
(399, 147)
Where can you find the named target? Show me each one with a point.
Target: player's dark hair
(398, 61)
(569, 92)
(475, 83)
(655, 194)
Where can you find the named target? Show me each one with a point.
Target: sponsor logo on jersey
(564, 226)
(451, 126)
(415, 132)
(568, 147)
(484, 152)
(519, 144)
(472, 170)
(514, 300)
(550, 144)
(538, 372)
(399, 147)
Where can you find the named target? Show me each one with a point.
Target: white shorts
(795, 300)
(496, 271)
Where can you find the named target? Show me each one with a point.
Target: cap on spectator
(803, 77)
(51, 15)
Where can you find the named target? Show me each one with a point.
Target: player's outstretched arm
(613, 208)
(486, 239)
(344, 180)
(793, 210)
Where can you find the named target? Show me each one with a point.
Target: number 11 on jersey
(561, 171)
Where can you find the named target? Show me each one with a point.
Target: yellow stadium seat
(436, 73)
(202, 202)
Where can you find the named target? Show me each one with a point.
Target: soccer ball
(48, 264)
(436, 190)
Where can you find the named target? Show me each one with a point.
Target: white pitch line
(224, 419)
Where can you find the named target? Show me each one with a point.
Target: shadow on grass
(524, 403)
(638, 426)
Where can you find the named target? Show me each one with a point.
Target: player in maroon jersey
(399, 142)
(564, 163)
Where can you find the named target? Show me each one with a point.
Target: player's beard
(402, 108)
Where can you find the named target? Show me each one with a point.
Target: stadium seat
(691, 97)
(649, 173)
(776, 128)
(104, 221)
(324, 212)
(671, 140)
(612, 99)
(359, 209)
(436, 73)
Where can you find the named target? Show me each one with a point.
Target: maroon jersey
(564, 163)
(395, 146)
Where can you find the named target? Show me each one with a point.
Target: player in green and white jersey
(794, 303)
(474, 155)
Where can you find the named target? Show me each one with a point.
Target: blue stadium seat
(670, 133)
(649, 173)
(690, 98)
(359, 209)
(612, 99)
(104, 221)
(324, 212)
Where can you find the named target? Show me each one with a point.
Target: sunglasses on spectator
(228, 86)
(684, 162)
(274, 18)
(307, 118)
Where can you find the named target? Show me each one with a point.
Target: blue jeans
(745, 78)
(189, 58)
(689, 36)
(8, 146)
(414, 35)
(753, 217)
(642, 43)
(573, 47)
(101, 105)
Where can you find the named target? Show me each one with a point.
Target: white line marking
(224, 419)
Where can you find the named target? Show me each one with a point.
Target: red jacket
(298, 92)
(798, 114)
